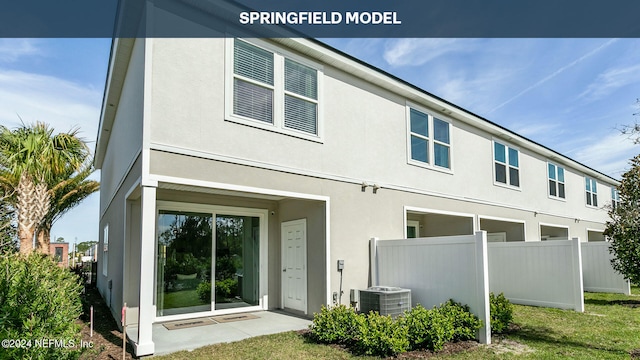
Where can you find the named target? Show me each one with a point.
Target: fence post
(578, 285)
(373, 248)
(482, 273)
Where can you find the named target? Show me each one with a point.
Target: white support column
(145, 345)
(373, 247)
(578, 285)
(482, 272)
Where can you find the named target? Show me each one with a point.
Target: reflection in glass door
(237, 256)
(183, 262)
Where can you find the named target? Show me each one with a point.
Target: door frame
(262, 214)
(305, 267)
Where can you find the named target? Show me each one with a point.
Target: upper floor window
(556, 181)
(615, 197)
(591, 191)
(506, 164)
(429, 140)
(274, 91)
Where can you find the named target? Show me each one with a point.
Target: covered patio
(202, 250)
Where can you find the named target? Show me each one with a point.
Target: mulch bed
(106, 339)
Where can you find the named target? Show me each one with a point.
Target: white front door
(294, 265)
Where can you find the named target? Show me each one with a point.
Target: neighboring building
(60, 253)
(256, 165)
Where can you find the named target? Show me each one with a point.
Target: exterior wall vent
(385, 300)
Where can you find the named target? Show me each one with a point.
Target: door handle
(284, 270)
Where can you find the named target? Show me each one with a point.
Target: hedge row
(418, 328)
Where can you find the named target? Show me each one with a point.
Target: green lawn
(608, 329)
(182, 298)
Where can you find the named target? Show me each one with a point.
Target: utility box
(386, 300)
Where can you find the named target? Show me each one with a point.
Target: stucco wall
(364, 137)
(125, 140)
(114, 216)
(355, 216)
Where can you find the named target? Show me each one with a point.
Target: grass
(288, 345)
(608, 329)
(182, 298)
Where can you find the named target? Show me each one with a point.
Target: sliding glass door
(184, 262)
(237, 261)
(205, 265)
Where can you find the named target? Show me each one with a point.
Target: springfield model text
(318, 18)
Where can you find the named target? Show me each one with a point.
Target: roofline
(344, 58)
(99, 155)
(511, 133)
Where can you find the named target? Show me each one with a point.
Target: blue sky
(568, 94)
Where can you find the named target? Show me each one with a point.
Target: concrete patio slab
(267, 322)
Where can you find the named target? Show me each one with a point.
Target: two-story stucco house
(237, 172)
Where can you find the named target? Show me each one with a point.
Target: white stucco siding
(125, 138)
(355, 216)
(364, 136)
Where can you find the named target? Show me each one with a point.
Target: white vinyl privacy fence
(539, 273)
(598, 274)
(437, 269)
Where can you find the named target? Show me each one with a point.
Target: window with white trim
(274, 90)
(429, 139)
(555, 174)
(615, 197)
(506, 164)
(591, 187)
(105, 249)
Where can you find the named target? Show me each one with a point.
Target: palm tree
(7, 227)
(31, 157)
(66, 191)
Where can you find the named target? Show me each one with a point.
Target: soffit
(205, 190)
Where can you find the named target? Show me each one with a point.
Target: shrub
(380, 336)
(338, 324)
(427, 329)
(501, 313)
(226, 288)
(377, 335)
(465, 323)
(39, 300)
(204, 291)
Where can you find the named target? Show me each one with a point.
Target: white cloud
(612, 79)
(609, 155)
(12, 49)
(60, 103)
(554, 74)
(475, 91)
(532, 129)
(415, 52)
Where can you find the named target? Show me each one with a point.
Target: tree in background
(624, 228)
(32, 159)
(85, 246)
(633, 131)
(68, 190)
